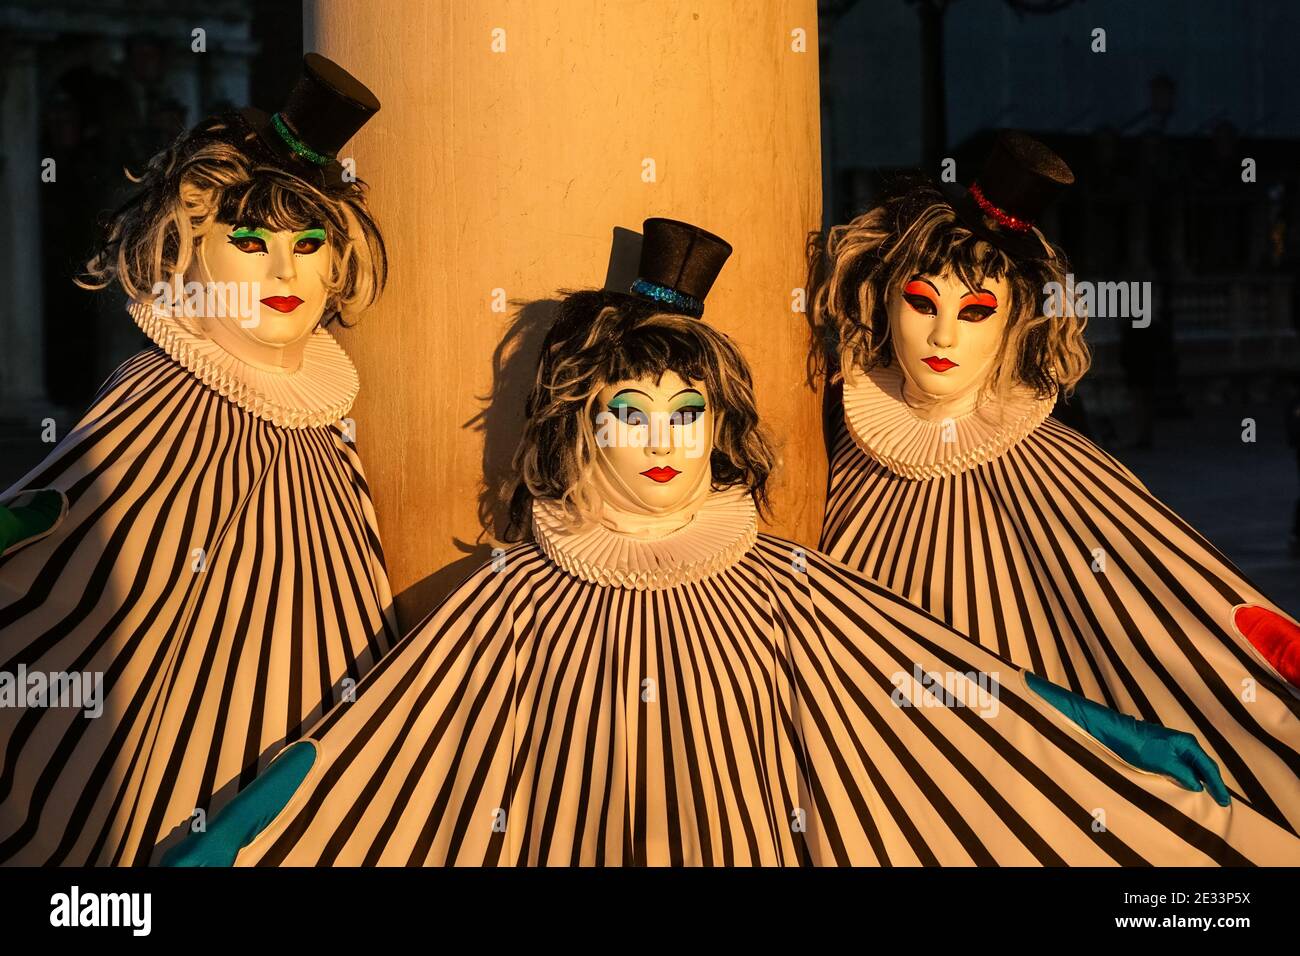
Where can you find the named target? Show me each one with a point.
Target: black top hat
(324, 110)
(679, 263)
(1020, 179)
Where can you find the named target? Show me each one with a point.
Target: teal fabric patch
(1144, 744)
(248, 814)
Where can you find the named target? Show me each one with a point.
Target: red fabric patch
(1273, 636)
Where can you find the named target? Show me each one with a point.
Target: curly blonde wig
(867, 262)
(598, 339)
(206, 176)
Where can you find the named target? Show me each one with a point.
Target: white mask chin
(624, 512)
(953, 403)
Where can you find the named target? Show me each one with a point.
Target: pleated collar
(723, 529)
(319, 392)
(886, 428)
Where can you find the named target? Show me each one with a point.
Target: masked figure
(653, 682)
(949, 317)
(210, 575)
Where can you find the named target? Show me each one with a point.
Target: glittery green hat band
(297, 146)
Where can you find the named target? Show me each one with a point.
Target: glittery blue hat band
(679, 301)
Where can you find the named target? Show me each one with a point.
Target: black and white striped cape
(1041, 547)
(222, 573)
(764, 709)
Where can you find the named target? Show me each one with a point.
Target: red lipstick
(282, 303)
(939, 364)
(661, 474)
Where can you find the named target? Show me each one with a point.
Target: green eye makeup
(621, 401)
(248, 239)
(687, 407)
(255, 238)
(308, 241)
(687, 413)
(625, 410)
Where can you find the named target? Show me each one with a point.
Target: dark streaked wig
(207, 176)
(600, 338)
(916, 231)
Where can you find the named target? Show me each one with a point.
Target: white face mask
(274, 285)
(946, 337)
(654, 441)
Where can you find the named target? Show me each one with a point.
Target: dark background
(1156, 129)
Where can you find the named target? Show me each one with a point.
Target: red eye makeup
(986, 299)
(917, 287)
(921, 297)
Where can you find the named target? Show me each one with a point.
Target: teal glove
(1146, 745)
(248, 814)
(34, 518)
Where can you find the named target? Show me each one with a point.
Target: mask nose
(282, 264)
(661, 436)
(943, 335)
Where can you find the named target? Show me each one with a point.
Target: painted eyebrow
(315, 232)
(981, 291)
(629, 391)
(691, 400)
(260, 232)
(685, 391)
(924, 281)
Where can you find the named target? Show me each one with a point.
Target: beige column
(514, 136)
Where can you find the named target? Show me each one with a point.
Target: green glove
(251, 812)
(1144, 744)
(29, 520)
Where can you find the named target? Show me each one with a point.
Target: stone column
(515, 135)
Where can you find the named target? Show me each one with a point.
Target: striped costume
(1025, 536)
(715, 697)
(218, 565)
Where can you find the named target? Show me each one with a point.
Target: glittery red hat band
(1005, 219)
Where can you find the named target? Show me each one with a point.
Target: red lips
(939, 364)
(661, 474)
(282, 303)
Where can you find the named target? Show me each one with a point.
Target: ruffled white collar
(319, 392)
(723, 529)
(886, 428)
